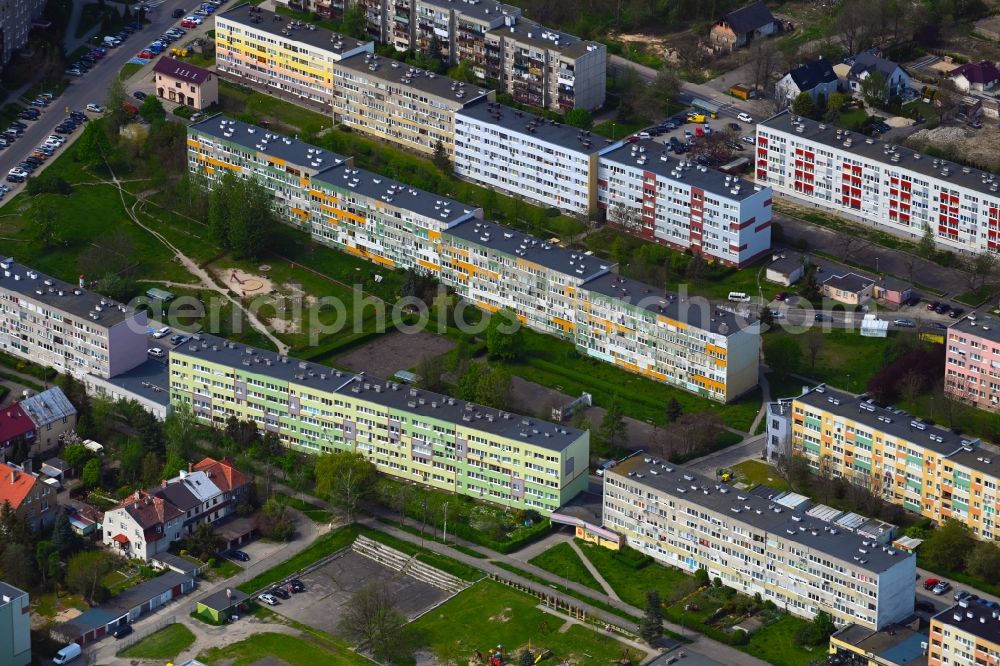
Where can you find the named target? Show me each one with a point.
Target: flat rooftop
(535, 127)
(898, 644)
(973, 617)
(537, 35)
(651, 156)
(523, 246)
(150, 380)
(400, 195)
(258, 139)
(697, 312)
(289, 29)
(759, 512)
(983, 326)
(887, 419)
(386, 393)
(9, 592)
(62, 296)
(880, 151)
(402, 76)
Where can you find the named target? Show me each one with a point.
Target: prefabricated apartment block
(966, 634)
(552, 289)
(889, 186)
(756, 544)
(923, 468)
(410, 434)
(651, 194)
(972, 361)
(66, 327)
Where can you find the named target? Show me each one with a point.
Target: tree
(346, 478)
(15, 528)
(854, 24)
(504, 337)
(984, 561)
(91, 476)
(204, 543)
(613, 432)
(526, 658)
(810, 289)
(948, 546)
(275, 521)
(873, 90)
(835, 104)
(783, 354)
(152, 469)
(180, 429)
(814, 342)
(441, 159)
(63, 537)
(817, 631)
(494, 389)
(430, 373)
(354, 22)
(114, 100)
(651, 628)
(674, 409)
(580, 118)
(371, 618)
(926, 245)
(76, 456)
(85, 571)
(659, 96)
(17, 565)
(241, 216)
(44, 219)
(804, 105)
(152, 110)
(979, 269)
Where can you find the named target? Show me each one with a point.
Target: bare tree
(979, 269)
(762, 58)
(854, 22)
(814, 342)
(346, 478)
(372, 619)
(625, 217)
(949, 99)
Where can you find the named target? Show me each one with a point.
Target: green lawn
(783, 386)
(166, 643)
(314, 512)
(845, 358)
(631, 582)
(776, 644)
(755, 472)
(322, 547)
(490, 614)
(292, 650)
(128, 69)
(615, 129)
(252, 106)
(563, 561)
(953, 414)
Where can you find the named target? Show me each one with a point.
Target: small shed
(786, 269)
(221, 605)
(161, 295)
(873, 327)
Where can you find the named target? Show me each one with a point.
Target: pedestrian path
(610, 591)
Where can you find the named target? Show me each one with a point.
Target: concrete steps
(408, 565)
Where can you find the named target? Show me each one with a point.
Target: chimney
(13, 476)
(163, 483)
(190, 467)
(137, 496)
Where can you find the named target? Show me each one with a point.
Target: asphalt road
(91, 87)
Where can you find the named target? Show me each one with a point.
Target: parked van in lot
(738, 297)
(67, 654)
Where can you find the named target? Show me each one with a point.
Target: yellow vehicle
(696, 117)
(182, 52)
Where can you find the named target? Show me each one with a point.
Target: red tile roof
(120, 538)
(14, 423)
(222, 473)
(179, 69)
(14, 485)
(150, 511)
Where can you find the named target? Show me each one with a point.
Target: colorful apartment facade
(967, 634)
(972, 361)
(888, 186)
(757, 545)
(66, 327)
(923, 468)
(660, 335)
(410, 434)
(642, 189)
(281, 56)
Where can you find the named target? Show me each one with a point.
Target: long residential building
(414, 435)
(16, 17)
(15, 626)
(891, 187)
(67, 327)
(972, 361)
(404, 105)
(647, 192)
(923, 468)
(966, 634)
(666, 337)
(757, 545)
(281, 56)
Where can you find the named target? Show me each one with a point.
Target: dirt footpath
(390, 353)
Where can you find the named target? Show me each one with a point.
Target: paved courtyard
(329, 588)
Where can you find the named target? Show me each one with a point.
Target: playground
(246, 285)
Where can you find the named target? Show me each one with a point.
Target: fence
(138, 635)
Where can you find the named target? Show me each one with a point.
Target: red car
(147, 54)
(930, 583)
(781, 296)
(188, 24)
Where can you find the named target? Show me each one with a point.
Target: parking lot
(330, 587)
(683, 133)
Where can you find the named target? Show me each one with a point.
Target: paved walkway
(610, 591)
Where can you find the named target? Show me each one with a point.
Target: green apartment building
(411, 434)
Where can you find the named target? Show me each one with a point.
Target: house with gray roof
(741, 26)
(870, 63)
(816, 78)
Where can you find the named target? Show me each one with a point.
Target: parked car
(941, 588)
(188, 23)
(745, 117)
(941, 308)
(122, 630)
(145, 54)
(280, 592)
(239, 555)
(904, 323)
(734, 126)
(297, 585)
(177, 13)
(749, 139)
(822, 317)
(782, 295)
(955, 313)
(924, 606)
(179, 339)
(268, 599)
(156, 352)
(930, 583)
(932, 305)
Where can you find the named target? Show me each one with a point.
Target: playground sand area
(275, 302)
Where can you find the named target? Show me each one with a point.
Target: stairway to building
(408, 565)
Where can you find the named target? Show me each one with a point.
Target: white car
(17, 171)
(745, 117)
(162, 333)
(94, 107)
(55, 138)
(268, 599)
(197, 20)
(156, 352)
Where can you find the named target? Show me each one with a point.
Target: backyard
(563, 561)
(755, 472)
(166, 643)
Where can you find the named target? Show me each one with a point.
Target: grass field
(293, 650)
(314, 512)
(563, 561)
(128, 69)
(845, 359)
(755, 472)
(614, 129)
(633, 583)
(252, 106)
(776, 644)
(492, 614)
(166, 643)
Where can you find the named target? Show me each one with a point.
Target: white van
(67, 654)
(738, 297)
(112, 41)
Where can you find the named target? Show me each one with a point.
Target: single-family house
(17, 433)
(891, 290)
(981, 76)
(53, 415)
(870, 63)
(142, 525)
(849, 288)
(816, 78)
(29, 495)
(183, 83)
(786, 268)
(741, 26)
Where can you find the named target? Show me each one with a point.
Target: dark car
(933, 304)
(913, 300)
(281, 592)
(239, 555)
(14, 178)
(122, 630)
(177, 13)
(297, 585)
(822, 317)
(139, 95)
(925, 606)
(941, 308)
(955, 313)
(734, 126)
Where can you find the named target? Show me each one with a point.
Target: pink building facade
(972, 364)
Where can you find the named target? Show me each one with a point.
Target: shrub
(47, 183)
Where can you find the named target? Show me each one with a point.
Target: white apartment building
(887, 186)
(519, 153)
(66, 327)
(404, 105)
(660, 198)
(280, 56)
(15, 24)
(755, 544)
